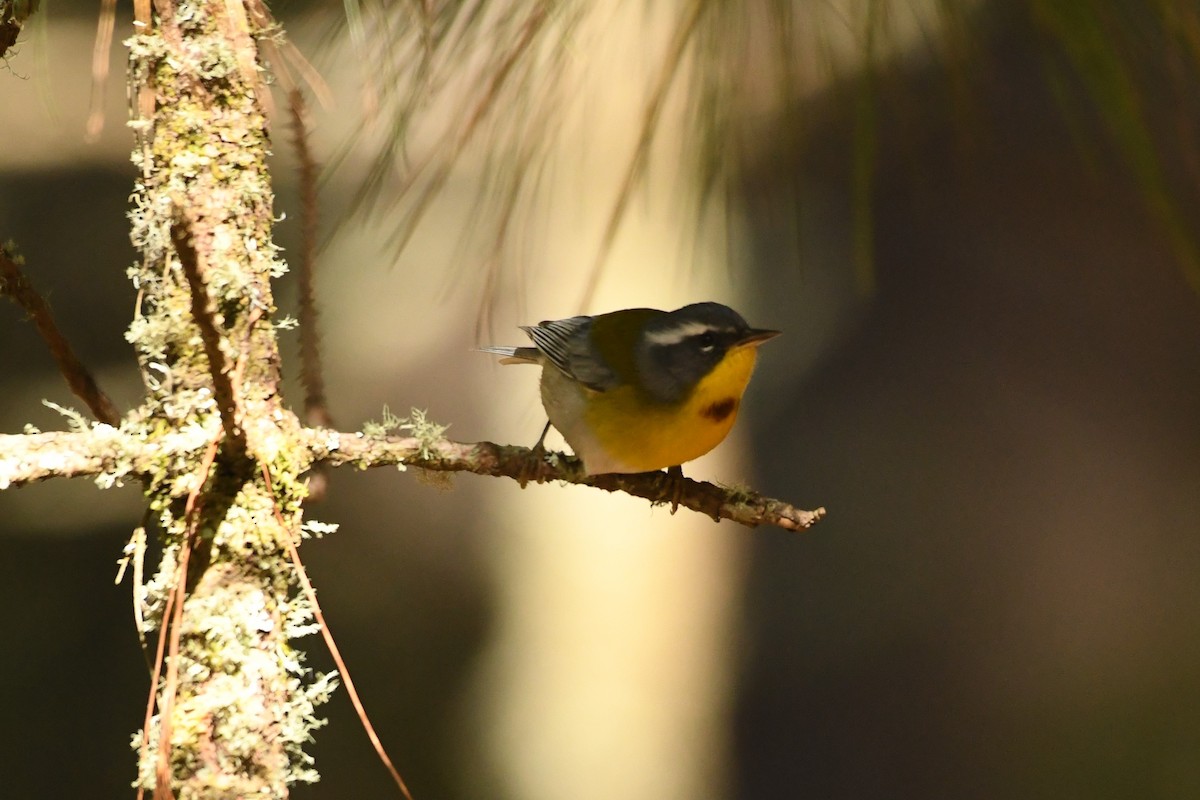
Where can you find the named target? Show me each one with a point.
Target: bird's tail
(513, 355)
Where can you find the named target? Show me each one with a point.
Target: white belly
(565, 401)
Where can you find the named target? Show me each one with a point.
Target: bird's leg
(673, 489)
(537, 453)
(540, 447)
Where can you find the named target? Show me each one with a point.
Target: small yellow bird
(642, 389)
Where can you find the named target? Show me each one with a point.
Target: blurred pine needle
(444, 78)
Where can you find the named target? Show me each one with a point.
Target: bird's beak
(755, 336)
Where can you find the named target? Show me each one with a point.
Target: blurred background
(976, 226)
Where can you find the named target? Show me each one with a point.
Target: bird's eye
(706, 340)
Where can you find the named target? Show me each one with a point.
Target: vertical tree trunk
(202, 220)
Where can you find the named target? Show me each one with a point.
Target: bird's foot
(531, 471)
(673, 486)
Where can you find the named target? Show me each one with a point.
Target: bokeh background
(990, 377)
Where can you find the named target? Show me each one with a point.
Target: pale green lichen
(737, 493)
(417, 424)
(387, 423)
(428, 434)
(75, 421)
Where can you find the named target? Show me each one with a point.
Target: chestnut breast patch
(718, 411)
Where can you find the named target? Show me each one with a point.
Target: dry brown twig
(15, 284)
(312, 376)
(316, 406)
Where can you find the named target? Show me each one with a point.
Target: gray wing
(566, 344)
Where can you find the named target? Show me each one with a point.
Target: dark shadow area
(1003, 601)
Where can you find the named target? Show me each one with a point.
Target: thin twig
(343, 670)
(155, 672)
(16, 285)
(235, 29)
(192, 245)
(139, 602)
(316, 406)
(168, 22)
(312, 376)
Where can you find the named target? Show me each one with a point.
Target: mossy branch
(33, 457)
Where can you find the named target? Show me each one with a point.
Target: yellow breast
(632, 434)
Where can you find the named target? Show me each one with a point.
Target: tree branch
(28, 459)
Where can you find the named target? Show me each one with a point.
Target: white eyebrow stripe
(678, 333)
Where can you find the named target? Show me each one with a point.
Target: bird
(641, 389)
